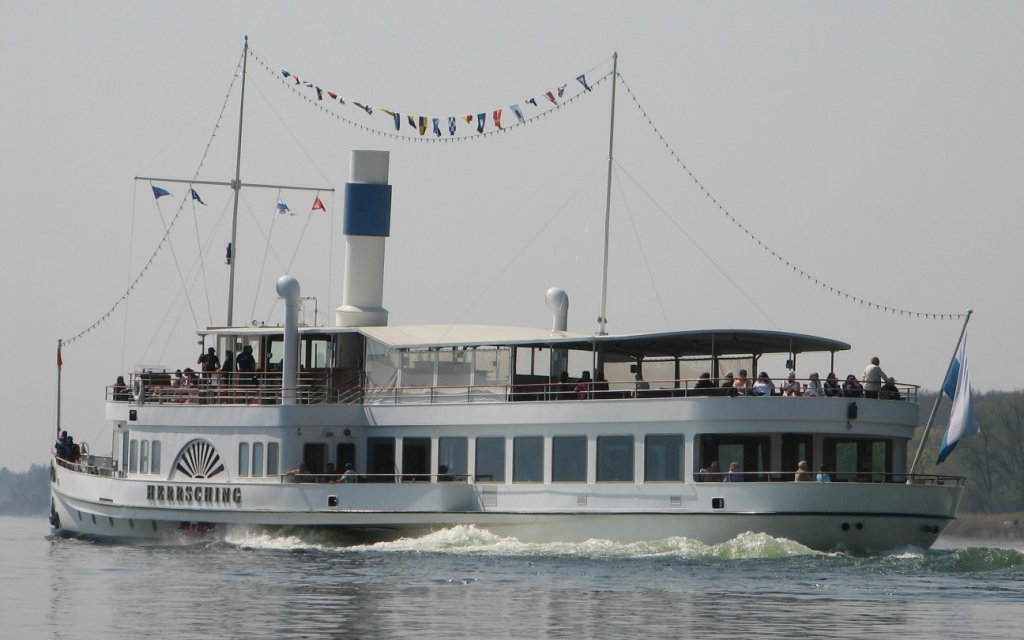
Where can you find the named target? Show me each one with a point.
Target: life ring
(139, 390)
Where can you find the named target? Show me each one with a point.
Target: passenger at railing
(889, 390)
(299, 475)
(743, 384)
(832, 388)
(121, 390)
(803, 472)
(823, 475)
(711, 474)
(60, 447)
(350, 474)
(813, 389)
(178, 380)
(873, 377)
(791, 387)
(583, 387)
(852, 388)
(734, 474)
(564, 389)
(601, 386)
(704, 386)
(764, 385)
(728, 386)
(209, 364)
(642, 386)
(245, 364)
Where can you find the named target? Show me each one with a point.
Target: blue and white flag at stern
(957, 386)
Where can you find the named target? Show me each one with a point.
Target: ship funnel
(558, 301)
(367, 225)
(288, 288)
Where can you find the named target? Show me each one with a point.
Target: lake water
(465, 583)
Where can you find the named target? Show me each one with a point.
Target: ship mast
(236, 186)
(602, 320)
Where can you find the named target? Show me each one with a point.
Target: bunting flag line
(159, 193)
(195, 196)
(318, 205)
(555, 96)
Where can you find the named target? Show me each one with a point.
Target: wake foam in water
(469, 540)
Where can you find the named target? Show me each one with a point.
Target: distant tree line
(26, 493)
(992, 460)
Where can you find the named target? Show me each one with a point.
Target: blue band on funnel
(367, 209)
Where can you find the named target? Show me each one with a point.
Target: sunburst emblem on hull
(199, 459)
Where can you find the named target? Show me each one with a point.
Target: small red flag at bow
(318, 204)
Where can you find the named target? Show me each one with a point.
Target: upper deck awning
(672, 344)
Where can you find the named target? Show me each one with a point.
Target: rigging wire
(643, 254)
(713, 262)
(202, 262)
(802, 273)
(166, 236)
(177, 266)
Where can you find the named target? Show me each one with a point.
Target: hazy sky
(877, 146)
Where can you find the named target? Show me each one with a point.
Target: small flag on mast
(195, 196)
(282, 208)
(318, 205)
(158, 192)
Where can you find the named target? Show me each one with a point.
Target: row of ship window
(258, 464)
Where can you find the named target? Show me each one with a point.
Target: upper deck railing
(348, 387)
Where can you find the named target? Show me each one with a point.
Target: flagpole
(60, 343)
(935, 407)
(236, 186)
(602, 321)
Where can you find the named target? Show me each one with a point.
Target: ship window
(528, 459)
(569, 459)
(490, 459)
(380, 459)
(257, 459)
(144, 456)
(663, 458)
(154, 466)
(751, 452)
(133, 457)
(451, 458)
(243, 459)
(858, 459)
(453, 367)
(416, 459)
(615, 458)
(273, 466)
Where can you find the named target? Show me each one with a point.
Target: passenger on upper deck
(852, 388)
(889, 390)
(873, 377)
(791, 387)
(743, 384)
(245, 363)
(704, 385)
(803, 472)
(764, 385)
(642, 386)
(564, 390)
(209, 364)
(350, 473)
(814, 388)
(59, 446)
(823, 475)
(601, 386)
(832, 388)
(120, 390)
(583, 386)
(728, 386)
